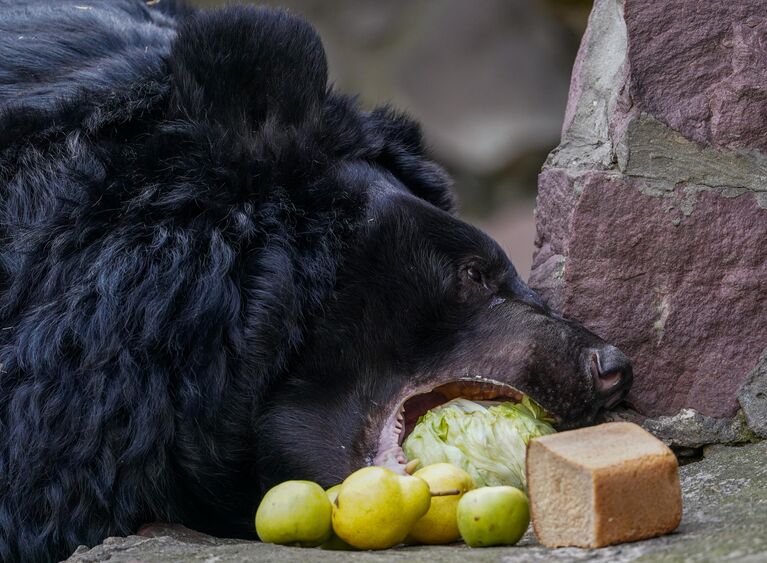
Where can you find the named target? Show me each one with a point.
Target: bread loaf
(602, 485)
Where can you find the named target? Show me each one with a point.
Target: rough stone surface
(753, 398)
(676, 276)
(689, 430)
(651, 150)
(700, 67)
(652, 212)
(594, 90)
(725, 517)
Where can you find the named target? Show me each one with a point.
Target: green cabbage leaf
(487, 440)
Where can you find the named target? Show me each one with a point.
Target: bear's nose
(612, 374)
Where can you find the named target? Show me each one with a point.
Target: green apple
(295, 513)
(334, 543)
(493, 516)
(439, 526)
(376, 508)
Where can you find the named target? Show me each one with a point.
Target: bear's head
(368, 300)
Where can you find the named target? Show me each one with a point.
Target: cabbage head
(487, 440)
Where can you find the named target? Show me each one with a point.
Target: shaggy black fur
(196, 299)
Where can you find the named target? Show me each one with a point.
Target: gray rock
(725, 517)
(753, 397)
(691, 429)
(688, 431)
(649, 149)
(594, 89)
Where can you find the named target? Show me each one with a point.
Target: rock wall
(652, 212)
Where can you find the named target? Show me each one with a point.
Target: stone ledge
(725, 516)
(691, 430)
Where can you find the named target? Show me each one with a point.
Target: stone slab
(688, 430)
(676, 276)
(725, 518)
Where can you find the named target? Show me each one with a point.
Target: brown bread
(602, 485)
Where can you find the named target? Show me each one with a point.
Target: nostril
(603, 381)
(610, 380)
(609, 369)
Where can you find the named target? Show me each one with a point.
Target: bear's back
(51, 52)
(66, 70)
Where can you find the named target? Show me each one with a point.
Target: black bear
(217, 273)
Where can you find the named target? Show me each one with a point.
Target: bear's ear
(238, 66)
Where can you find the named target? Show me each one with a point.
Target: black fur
(209, 265)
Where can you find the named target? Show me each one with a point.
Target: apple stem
(446, 493)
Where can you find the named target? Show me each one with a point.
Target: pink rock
(700, 67)
(652, 212)
(684, 295)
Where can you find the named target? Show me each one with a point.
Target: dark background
(488, 80)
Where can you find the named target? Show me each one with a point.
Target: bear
(217, 273)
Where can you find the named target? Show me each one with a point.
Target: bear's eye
(475, 275)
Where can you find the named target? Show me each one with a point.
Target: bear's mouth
(416, 402)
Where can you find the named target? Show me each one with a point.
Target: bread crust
(633, 478)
